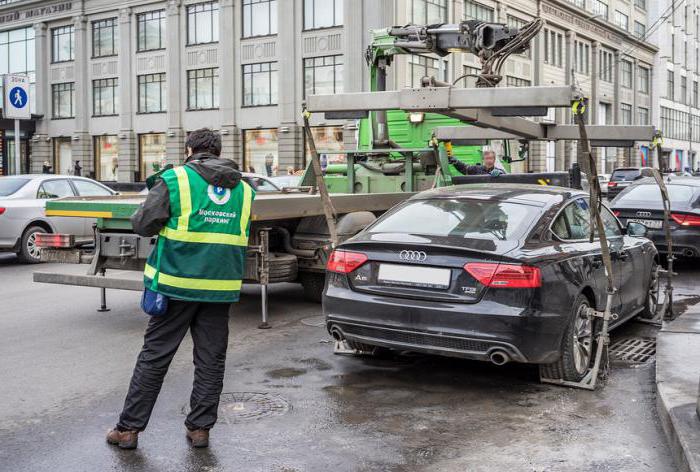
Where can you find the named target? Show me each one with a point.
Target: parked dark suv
(623, 176)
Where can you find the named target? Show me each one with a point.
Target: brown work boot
(198, 437)
(123, 439)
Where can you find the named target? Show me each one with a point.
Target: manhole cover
(247, 406)
(315, 321)
(635, 350)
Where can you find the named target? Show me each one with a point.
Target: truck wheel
(577, 347)
(28, 250)
(313, 284)
(651, 304)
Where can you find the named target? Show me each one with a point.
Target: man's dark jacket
(155, 211)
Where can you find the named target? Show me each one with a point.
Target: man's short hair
(488, 150)
(204, 140)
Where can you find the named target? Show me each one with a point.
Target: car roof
(48, 176)
(672, 179)
(541, 195)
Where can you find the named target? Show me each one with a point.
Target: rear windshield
(625, 174)
(652, 193)
(460, 218)
(9, 185)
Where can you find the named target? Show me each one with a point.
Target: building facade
(117, 85)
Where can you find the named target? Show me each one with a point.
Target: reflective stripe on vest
(182, 232)
(193, 284)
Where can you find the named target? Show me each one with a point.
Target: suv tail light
(2, 210)
(54, 240)
(344, 262)
(612, 184)
(686, 220)
(493, 274)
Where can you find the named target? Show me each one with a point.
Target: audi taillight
(2, 210)
(344, 262)
(493, 274)
(54, 240)
(616, 212)
(612, 184)
(686, 220)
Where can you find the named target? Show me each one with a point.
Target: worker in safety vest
(201, 214)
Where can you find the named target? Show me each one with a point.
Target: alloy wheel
(32, 248)
(582, 339)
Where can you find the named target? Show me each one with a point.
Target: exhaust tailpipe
(687, 252)
(337, 334)
(499, 357)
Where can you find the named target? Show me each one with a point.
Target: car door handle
(622, 255)
(597, 262)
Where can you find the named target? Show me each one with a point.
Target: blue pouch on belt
(154, 303)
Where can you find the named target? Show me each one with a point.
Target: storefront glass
(261, 151)
(62, 156)
(152, 154)
(327, 138)
(106, 157)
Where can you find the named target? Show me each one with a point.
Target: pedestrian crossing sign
(16, 97)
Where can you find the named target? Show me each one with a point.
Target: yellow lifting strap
(578, 107)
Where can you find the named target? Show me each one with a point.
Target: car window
(263, 185)
(90, 189)
(612, 227)
(624, 174)
(651, 193)
(10, 185)
(55, 189)
(575, 221)
(460, 218)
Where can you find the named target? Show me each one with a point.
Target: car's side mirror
(636, 229)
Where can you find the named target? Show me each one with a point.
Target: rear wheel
(652, 302)
(313, 284)
(28, 250)
(577, 346)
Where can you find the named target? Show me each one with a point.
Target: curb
(677, 375)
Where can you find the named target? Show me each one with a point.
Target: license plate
(651, 224)
(414, 276)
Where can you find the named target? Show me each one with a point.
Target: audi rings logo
(643, 213)
(415, 256)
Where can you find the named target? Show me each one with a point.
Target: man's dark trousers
(208, 323)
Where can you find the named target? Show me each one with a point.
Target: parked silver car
(22, 202)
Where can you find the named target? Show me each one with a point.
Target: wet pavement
(291, 405)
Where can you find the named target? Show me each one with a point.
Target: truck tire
(313, 283)
(651, 304)
(573, 363)
(28, 252)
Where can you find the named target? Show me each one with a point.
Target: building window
(670, 85)
(582, 57)
(423, 66)
(599, 8)
(643, 74)
(259, 17)
(104, 37)
(203, 23)
(642, 116)
(63, 162)
(640, 30)
(517, 82)
(641, 4)
(322, 13)
(477, 11)
(684, 90)
(695, 93)
(105, 97)
(152, 93)
(63, 100)
(553, 48)
(625, 114)
(17, 56)
(150, 29)
(152, 154)
(323, 75)
(470, 75)
(203, 89)
(260, 84)
(606, 66)
(626, 71)
(515, 22)
(622, 20)
(62, 44)
(260, 151)
(106, 157)
(327, 138)
(427, 12)
(578, 3)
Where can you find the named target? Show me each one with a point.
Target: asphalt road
(65, 370)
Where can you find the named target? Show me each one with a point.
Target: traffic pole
(18, 157)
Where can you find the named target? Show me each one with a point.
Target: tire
(573, 362)
(313, 284)
(651, 304)
(28, 252)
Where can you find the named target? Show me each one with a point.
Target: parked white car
(22, 202)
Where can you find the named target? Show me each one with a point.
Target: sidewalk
(677, 376)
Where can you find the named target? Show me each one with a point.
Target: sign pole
(18, 157)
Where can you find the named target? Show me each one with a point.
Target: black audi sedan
(500, 273)
(641, 203)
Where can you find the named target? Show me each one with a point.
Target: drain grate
(634, 350)
(237, 407)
